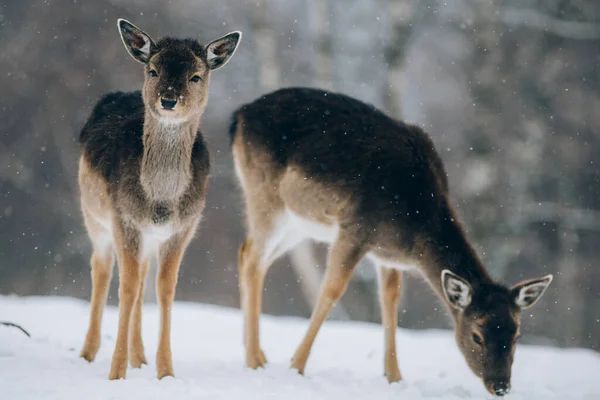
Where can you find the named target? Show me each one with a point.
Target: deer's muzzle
(498, 388)
(168, 101)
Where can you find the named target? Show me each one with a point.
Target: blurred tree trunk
(266, 47)
(359, 34)
(295, 48)
(401, 22)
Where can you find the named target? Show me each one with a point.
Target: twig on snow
(15, 326)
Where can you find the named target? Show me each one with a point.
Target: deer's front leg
(343, 258)
(126, 242)
(390, 284)
(169, 260)
(137, 356)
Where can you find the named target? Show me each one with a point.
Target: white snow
(346, 361)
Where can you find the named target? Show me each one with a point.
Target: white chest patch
(171, 125)
(153, 236)
(159, 232)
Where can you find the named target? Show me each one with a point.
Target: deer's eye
(477, 339)
(195, 78)
(153, 73)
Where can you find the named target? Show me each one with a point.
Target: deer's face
(176, 84)
(486, 333)
(487, 324)
(177, 71)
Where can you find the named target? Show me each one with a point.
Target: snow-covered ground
(346, 361)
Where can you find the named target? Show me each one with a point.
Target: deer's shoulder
(200, 155)
(115, 127)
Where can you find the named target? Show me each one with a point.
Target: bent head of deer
(487, 318)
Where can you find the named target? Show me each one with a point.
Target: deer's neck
(166, 170)
(450, 249)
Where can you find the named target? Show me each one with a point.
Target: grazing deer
(328, 167)
(143, 173)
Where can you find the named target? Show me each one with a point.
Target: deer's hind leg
(270, 237)
(101, 270)
(390, 284)
(251, 276)
(170, 255)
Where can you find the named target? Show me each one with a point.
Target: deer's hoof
(88, 352)
(298, 365)
(393, 376)
(137, 359)
(164, 372)
(256, 359)
(119, 372)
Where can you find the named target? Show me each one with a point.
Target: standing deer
(328, 167)
(143, 173)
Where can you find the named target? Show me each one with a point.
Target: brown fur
(322, 165)
(143, 175)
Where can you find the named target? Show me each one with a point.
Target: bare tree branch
(535, 19)
(547, 211)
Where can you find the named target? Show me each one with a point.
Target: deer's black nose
(500, 388)
(168, 101)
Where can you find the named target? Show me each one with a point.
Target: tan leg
(102, 263)
(137, 356)
(341, 262)
(129, 286)
(252, 277)
(390, 284)
(169, 259)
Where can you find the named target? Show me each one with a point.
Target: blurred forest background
(508, 89)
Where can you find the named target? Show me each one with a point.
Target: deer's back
(385, 168)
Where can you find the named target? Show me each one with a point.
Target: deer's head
(177, 71)
(487, 324)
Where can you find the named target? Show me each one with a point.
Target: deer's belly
(290, 228)
(394, 264)
(312, 229)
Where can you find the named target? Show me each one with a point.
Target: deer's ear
(456, 290)
(219, 51)
(527, 293)
(136, 41)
